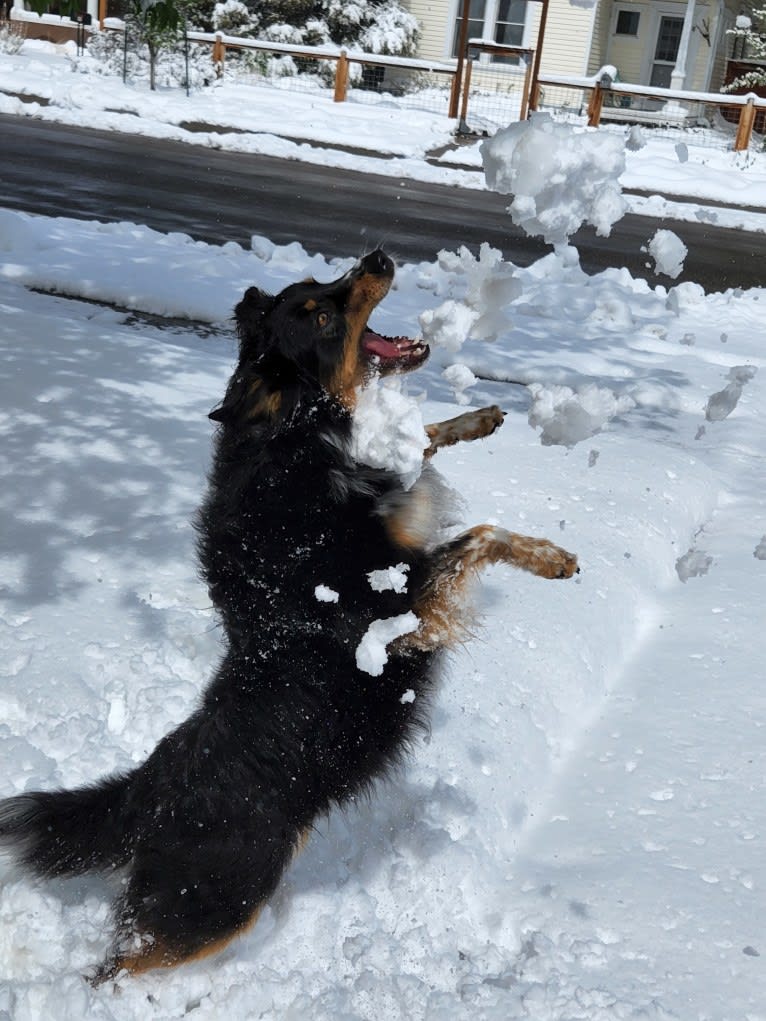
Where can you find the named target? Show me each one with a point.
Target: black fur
(289, 726)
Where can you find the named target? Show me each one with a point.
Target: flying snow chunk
(560, 176)
(693, 564)
(760, 550)
(371, 653)
(323, 594)
(567, 417)
(668, 251)
(389, 579)
(388, 431)
(460, 378)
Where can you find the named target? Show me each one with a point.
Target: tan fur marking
(157, 955)
(473, 425)
(365, 294)
(267, 406)
(310, 305)
(440, 609)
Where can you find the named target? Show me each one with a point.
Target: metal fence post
(745, 126)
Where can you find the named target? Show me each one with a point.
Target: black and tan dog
(289, 726)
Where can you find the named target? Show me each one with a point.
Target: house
(680, 44)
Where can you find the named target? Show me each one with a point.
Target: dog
(289, 725)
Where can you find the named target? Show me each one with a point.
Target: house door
(666, 51)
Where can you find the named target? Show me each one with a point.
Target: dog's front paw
(558, 563)
(490, 419)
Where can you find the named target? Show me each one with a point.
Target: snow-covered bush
(107, 55)
(12, 36)
(752, 45)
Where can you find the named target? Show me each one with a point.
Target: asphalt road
(219, 196)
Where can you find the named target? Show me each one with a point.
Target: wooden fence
(601, 89)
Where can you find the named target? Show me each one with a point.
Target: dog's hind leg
(473, 425)
(440, 604)
(188, 900)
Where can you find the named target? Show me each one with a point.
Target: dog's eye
(322, 319)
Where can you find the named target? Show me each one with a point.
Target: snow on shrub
(561, 176)
(668, 251)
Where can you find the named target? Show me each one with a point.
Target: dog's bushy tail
(60, 833)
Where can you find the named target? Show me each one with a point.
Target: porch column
(678, 77)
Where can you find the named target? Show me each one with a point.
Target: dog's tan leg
(473, 425)
(440, 607)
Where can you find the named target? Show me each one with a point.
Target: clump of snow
(721, 404)
(636, 139)
(449, 325)
(408, 696)
(760, 550)
(668, 251)
(684, 296)
(682, 152)
(567, 417)
(693, 564)
(491, 285)
(460, 378)
(371, 653)
(389, 579)
(324, 594)
(561, 176)
(388, 430)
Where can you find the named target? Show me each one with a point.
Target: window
(475, 22)
(627, 23)
(501, 21)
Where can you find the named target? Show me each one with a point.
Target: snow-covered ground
(582, 835)
(375, 134)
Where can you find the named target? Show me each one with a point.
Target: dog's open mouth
(393, 354)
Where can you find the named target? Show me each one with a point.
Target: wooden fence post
(745, 126)
(341, 78)
(595, 106)
(219, 54)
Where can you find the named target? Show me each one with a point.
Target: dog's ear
(249, 314)
(235, 394)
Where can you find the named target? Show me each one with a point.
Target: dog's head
(314, 336)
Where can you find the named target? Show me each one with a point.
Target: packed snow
(580, 834)
(668, 251)
(523, 865)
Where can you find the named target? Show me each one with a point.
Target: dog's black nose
(378, 264)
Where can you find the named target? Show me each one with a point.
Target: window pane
(627, 22)
(668, 39)
(509, 35)
(475, 23)
(512, 10)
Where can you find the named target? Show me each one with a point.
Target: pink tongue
(377, 345)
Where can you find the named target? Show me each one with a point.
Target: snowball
(408, 696)
(760, 550)
(371, 654)
(388, 430)
(721, 404)
(682, 152)
(560, 176)
(459, 378)
(668, 251)
(323, 594)
(567, 417)
(390, 579)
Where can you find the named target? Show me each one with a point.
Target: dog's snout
(378, 264)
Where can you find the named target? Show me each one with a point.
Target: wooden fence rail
(602, 86)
